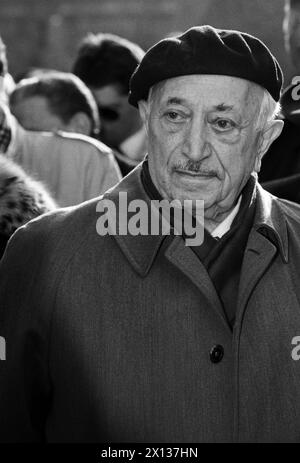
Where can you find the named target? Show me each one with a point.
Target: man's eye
(174, 116)
(224, 124)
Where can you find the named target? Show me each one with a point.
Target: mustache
(195, 167)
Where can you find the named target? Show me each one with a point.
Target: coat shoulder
(64, 230)
(53, 238)
(290, 209)
(279, 208)
(87, 143)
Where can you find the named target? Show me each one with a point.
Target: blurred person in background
(21, 199)
(105, 63)
(7, 83)
(55, 101)
(73, 167)
(291, 31)
(281, 168)
(280, 172)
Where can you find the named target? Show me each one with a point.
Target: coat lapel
(139, 250)
(183, 258)
(267, 237)
(258, 256)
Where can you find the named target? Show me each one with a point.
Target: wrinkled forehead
(208, 91)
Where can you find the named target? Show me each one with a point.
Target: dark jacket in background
(280, 170)
(286, 188)
(283, 156)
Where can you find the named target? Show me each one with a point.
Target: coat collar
(141, 250)
(270, 221)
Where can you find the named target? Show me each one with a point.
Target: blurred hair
(66, 96)
(106, 59)
(3, 58)
(33, 71)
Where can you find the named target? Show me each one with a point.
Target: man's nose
(196, 145)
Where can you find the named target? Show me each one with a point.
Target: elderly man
(187, 343)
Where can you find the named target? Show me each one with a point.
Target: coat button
(216, 354)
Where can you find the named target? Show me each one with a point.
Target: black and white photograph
(149, 226)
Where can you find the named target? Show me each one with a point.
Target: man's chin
(203, 188)
(197, 194)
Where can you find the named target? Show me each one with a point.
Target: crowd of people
(74, 132)
(141, 336)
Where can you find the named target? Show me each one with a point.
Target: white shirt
(224, 226)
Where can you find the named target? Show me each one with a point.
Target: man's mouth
(197, 174)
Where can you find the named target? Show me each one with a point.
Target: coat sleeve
(25, 387)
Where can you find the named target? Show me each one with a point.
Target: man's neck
(225, 225)
(221, 220)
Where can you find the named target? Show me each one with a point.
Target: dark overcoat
(108, 339)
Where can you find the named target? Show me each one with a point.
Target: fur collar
(21, 197)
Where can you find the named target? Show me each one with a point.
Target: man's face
(33, 113)
(202, 139)
(118, 118)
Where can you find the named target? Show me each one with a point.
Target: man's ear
(144, 111)
(80, 123)
(269, 134)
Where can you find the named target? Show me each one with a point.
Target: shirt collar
(224, 226)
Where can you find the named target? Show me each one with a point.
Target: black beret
(206, 50)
